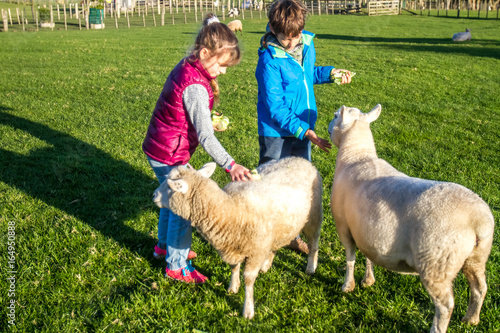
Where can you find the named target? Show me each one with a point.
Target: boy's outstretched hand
(322, 143)
(341, 76)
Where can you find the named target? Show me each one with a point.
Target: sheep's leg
(350, 254)
(234, 286)
(268, 263)
(369, 278)
(474, 272)
(312, 258)
(312, 231)
(442, 295)
(252, 267)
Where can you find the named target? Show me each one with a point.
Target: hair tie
(213, 20)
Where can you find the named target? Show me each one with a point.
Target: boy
(285, 75)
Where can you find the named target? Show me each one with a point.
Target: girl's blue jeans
(174, 232)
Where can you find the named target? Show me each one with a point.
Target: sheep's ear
(345, 116)
(374, 113)
(208, 169)
(178, 185)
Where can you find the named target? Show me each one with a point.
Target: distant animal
(405, 224)
(249, 221)
(462, 36)
(236, 26)
(234, 12)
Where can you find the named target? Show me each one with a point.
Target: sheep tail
(484, 225)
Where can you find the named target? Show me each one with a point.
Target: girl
(181, 120)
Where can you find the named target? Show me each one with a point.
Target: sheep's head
(346, 117)
(174, 191)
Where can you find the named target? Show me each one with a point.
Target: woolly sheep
(234, 12)
(406, 224)
(235, 26)
(462, 36)
(250, 221)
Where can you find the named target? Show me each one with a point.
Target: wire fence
(67, 15)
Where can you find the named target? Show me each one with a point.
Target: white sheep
(250, 221)
(462, 36)
(234, 12)
(404, 224)
(235, 26)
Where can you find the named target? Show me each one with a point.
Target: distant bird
(462, 36)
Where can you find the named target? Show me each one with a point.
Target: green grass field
(74, 109)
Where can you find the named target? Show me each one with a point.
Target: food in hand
(337, 77)
(219, 122)
(255, 175)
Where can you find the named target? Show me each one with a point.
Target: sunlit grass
(75, 108)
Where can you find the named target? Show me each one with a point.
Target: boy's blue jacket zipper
(286, 104)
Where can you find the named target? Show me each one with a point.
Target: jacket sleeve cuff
(230, 166)
(299, 134)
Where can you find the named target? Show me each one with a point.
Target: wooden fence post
(154, 17)
(5, 22)
(196, 11)
(51, 18)
(65, 20)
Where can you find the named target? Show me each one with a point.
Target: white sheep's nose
(157, 196)
(330, 127)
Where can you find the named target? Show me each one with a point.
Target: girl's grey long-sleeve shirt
(196, 103)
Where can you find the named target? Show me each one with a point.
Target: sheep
(234, 12)
(462, 36)
(235, 26)
(406, 224)
(250, 221)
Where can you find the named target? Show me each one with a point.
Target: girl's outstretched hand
(321, 143)
(240, 173)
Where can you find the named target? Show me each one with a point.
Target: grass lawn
(74, 109)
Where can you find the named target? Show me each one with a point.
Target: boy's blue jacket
(286, 104)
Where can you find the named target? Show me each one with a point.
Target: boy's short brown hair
(287, 17)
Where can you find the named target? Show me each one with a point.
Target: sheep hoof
(470, 321)
(347, 288)
(367, 282)
(310, 271)
(248, 314)
(232, 290)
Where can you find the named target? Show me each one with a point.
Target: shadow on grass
(81, 180)
(476, 47)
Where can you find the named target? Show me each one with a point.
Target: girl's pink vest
(171, 138)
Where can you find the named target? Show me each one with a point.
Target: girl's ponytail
(215, 89)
